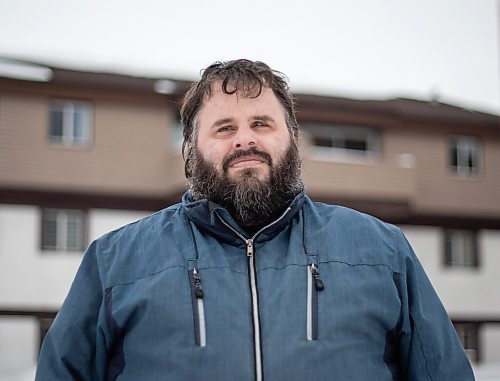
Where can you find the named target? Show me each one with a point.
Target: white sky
(358, 48)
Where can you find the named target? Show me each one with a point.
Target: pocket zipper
(314, 285)
(198, 308)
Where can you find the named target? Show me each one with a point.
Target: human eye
(224, 130)
(260, 123)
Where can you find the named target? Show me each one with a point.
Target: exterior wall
(35, 278)
(130, 152)
(426, 182)
(490, 343)
(28, 276)
(32, 279)
(19, 341)
(467, 294)
(459, 288)
(381, 180)
(439, 190)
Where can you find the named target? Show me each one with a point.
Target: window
(63, 229)
(464, 155)
(343, 140)
(70, 123)
(461, 248)
(468, 335)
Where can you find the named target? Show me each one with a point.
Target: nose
(244, 138)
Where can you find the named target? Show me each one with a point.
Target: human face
(228, 123)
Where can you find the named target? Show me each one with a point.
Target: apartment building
(82, 153)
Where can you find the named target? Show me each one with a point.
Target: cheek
(279, 150)
(213, 156)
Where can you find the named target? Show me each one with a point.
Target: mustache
(250, 152)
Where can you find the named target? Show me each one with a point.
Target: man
(247, 278)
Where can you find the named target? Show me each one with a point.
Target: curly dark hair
(241, 76)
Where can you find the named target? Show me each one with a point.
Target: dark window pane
(80, 130)
(358, 145)
(337, 143)
(56, 124)
(63, 229)
(454, 155)
(468, 335)
(461, 248)
(74, 232)
(473, 161)
(49, 232)
(322, 141)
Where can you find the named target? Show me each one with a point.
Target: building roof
(416, 110)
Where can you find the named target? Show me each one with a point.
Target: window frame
(61, 232)
(69, 108)
(467, 260)
(464, 150)
(343, 132)
(470, 343)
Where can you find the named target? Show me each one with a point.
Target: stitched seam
(172, 267)
(146, 276)
(222, 267)
(336, 261)
(365, 264)
(422, 350)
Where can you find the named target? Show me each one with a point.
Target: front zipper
(198, 308)
(314, 285)
(253, 291)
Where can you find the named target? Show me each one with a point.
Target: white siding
(490, 343)
(19, 341)
(466, 293)
(33, 279)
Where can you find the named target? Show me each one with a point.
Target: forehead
(239, 105)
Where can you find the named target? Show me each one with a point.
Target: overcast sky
(356, 48)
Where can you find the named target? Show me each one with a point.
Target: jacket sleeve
(429, 346)
(73, 347)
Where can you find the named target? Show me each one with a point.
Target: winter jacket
(323, 293)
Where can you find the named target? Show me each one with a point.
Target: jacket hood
(206, 215)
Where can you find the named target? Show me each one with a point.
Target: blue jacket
(324, 293)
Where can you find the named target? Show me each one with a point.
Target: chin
(250, 173)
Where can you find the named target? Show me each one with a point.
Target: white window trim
(62, 218)
(464, 145)
(69, 138)
(371, 134)
(456, 237)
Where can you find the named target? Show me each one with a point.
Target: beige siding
(130, 152)
(439, 190)
(372, 181)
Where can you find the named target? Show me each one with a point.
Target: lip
(246, 161)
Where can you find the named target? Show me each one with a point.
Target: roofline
(403, 108)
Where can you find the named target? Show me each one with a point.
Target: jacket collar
(206, 216)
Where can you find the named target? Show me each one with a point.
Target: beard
(252, 202)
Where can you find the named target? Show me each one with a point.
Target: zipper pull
(318, 283)
(198, 292)
(249, 243)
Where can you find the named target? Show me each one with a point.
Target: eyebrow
(220, 122)
(264, 118)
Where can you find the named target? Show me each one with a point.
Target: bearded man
(247, 278)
